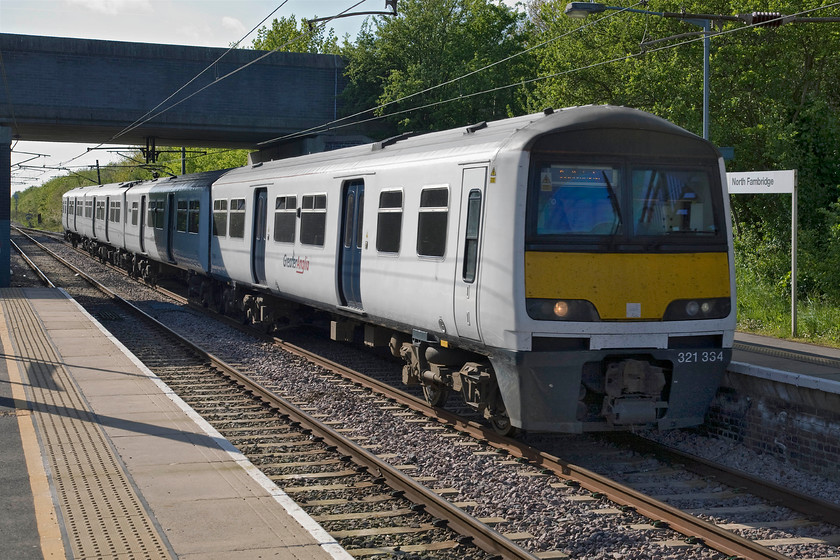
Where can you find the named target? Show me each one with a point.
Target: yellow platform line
(46, 517)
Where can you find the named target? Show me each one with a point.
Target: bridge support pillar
(5, 206)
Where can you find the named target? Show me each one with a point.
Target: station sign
(761, 182)
(774, 182)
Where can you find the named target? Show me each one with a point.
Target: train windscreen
(624, 202)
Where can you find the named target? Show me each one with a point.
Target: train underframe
(573, 390)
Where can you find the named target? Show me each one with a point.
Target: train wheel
(435, 395)
(501, 424)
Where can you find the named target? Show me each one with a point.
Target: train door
(143, 224)
(93, 219)
(170, 225)
(107, 219)
(350, 252)
(260, 237)
(469, 250)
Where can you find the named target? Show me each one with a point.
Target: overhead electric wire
(327, 126)
(147, 118)
(451, 81)
(140, 121)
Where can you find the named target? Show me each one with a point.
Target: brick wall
(797, 424)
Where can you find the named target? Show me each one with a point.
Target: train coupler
(633, 393)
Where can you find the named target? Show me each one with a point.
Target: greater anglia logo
(300, 264)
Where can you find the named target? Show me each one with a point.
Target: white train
(565, 271)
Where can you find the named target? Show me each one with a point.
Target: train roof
(478, 142)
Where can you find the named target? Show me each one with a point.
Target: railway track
(573, 484)
(341, 484)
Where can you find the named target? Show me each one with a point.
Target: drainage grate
(107, 316)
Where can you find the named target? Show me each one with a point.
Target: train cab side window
(181, 217)
(135, 213)
(236, 227)
(220, 217)
(471, 236)
(389, 222)
(192, 216)
(431, 226)
(285, 219)
(313, 219)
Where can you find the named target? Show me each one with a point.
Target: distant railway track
(587, 487)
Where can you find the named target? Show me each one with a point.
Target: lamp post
(580, 10)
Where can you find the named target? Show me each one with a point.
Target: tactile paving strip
(103, 515)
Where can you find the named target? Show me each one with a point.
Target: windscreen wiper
(614, 202)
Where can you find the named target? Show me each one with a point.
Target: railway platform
(101, 460)
(796, 363)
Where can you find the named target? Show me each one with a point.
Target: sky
(212, 23)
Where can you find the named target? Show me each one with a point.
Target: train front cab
(628, 282)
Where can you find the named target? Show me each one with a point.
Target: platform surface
(101, 460)
(816, 366)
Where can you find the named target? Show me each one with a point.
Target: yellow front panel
(616, 283)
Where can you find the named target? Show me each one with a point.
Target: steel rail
(825, 511)
(477, 533)
(31, 264)
(692, 527)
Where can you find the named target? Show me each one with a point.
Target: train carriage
(108, 207)
(566, 271)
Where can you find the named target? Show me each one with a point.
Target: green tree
(395, 60)
(288, 35)
(774, 98)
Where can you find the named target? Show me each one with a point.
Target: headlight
(561, 310)
(688, 309)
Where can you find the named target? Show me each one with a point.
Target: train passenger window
(471, 236)
(100, 209)
(389, 222)
(672, 201)
(285, 219)
(236, 227)
(155, 214)
(79, 208)
(181, 217)
(114, 212)
(88, 209)
(192, 216)
(220, 217)
(135, 213)
(313, 219)
(431, 226)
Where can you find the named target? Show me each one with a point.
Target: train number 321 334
(697, 357)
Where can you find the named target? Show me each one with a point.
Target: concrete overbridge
(110, 92)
